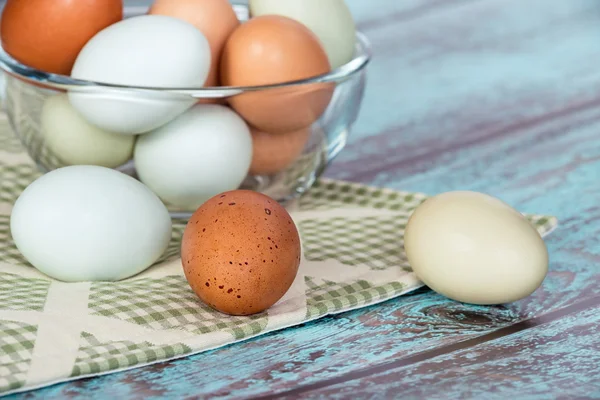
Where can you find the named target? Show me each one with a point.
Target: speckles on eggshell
(246, 234)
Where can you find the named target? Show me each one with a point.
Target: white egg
(76, 142)
(330, 20)
(89, 223)
(203, 152)
(148, 51)
(474, 248)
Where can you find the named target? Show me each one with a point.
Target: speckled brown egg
(240, 252)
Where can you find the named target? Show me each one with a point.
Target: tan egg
(474, 248)
(49, 34)
(240, 252)
(216, 19)
(269, 50)
(274, 152)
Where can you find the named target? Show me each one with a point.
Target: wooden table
(500, 96)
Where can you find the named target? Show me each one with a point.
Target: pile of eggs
(184, 149)
(87, 221)
(241, 250)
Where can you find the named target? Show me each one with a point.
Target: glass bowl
(28, 89)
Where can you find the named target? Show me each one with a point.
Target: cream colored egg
(330, 20)
(474, 248)
(76, 142)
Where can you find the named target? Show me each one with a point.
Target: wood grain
(500, 96)
(521, 356)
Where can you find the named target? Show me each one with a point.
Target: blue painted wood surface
(500, 96)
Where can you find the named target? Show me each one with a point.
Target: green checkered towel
(52, 331)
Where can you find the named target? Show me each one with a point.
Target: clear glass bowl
(27, 90)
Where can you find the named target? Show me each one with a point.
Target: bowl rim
(47, 80)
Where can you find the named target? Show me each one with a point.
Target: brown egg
(274, 152)
(216, 19)
(273, 49)
(49, 34)
(240, 252)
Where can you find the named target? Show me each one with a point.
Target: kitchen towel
(52, 331)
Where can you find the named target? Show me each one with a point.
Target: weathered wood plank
(490, 95)
(469, 75)
(559, 355)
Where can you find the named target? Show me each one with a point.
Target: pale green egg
(76, 142)
(330, 20)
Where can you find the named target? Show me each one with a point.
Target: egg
(474, 248)
(330, 20)
(48, 34)
(89, 223)
(147, 51)
(240, 252)
(216, 19)
(271, 50)
(203, 152)
(274, 152)
(76, 142)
